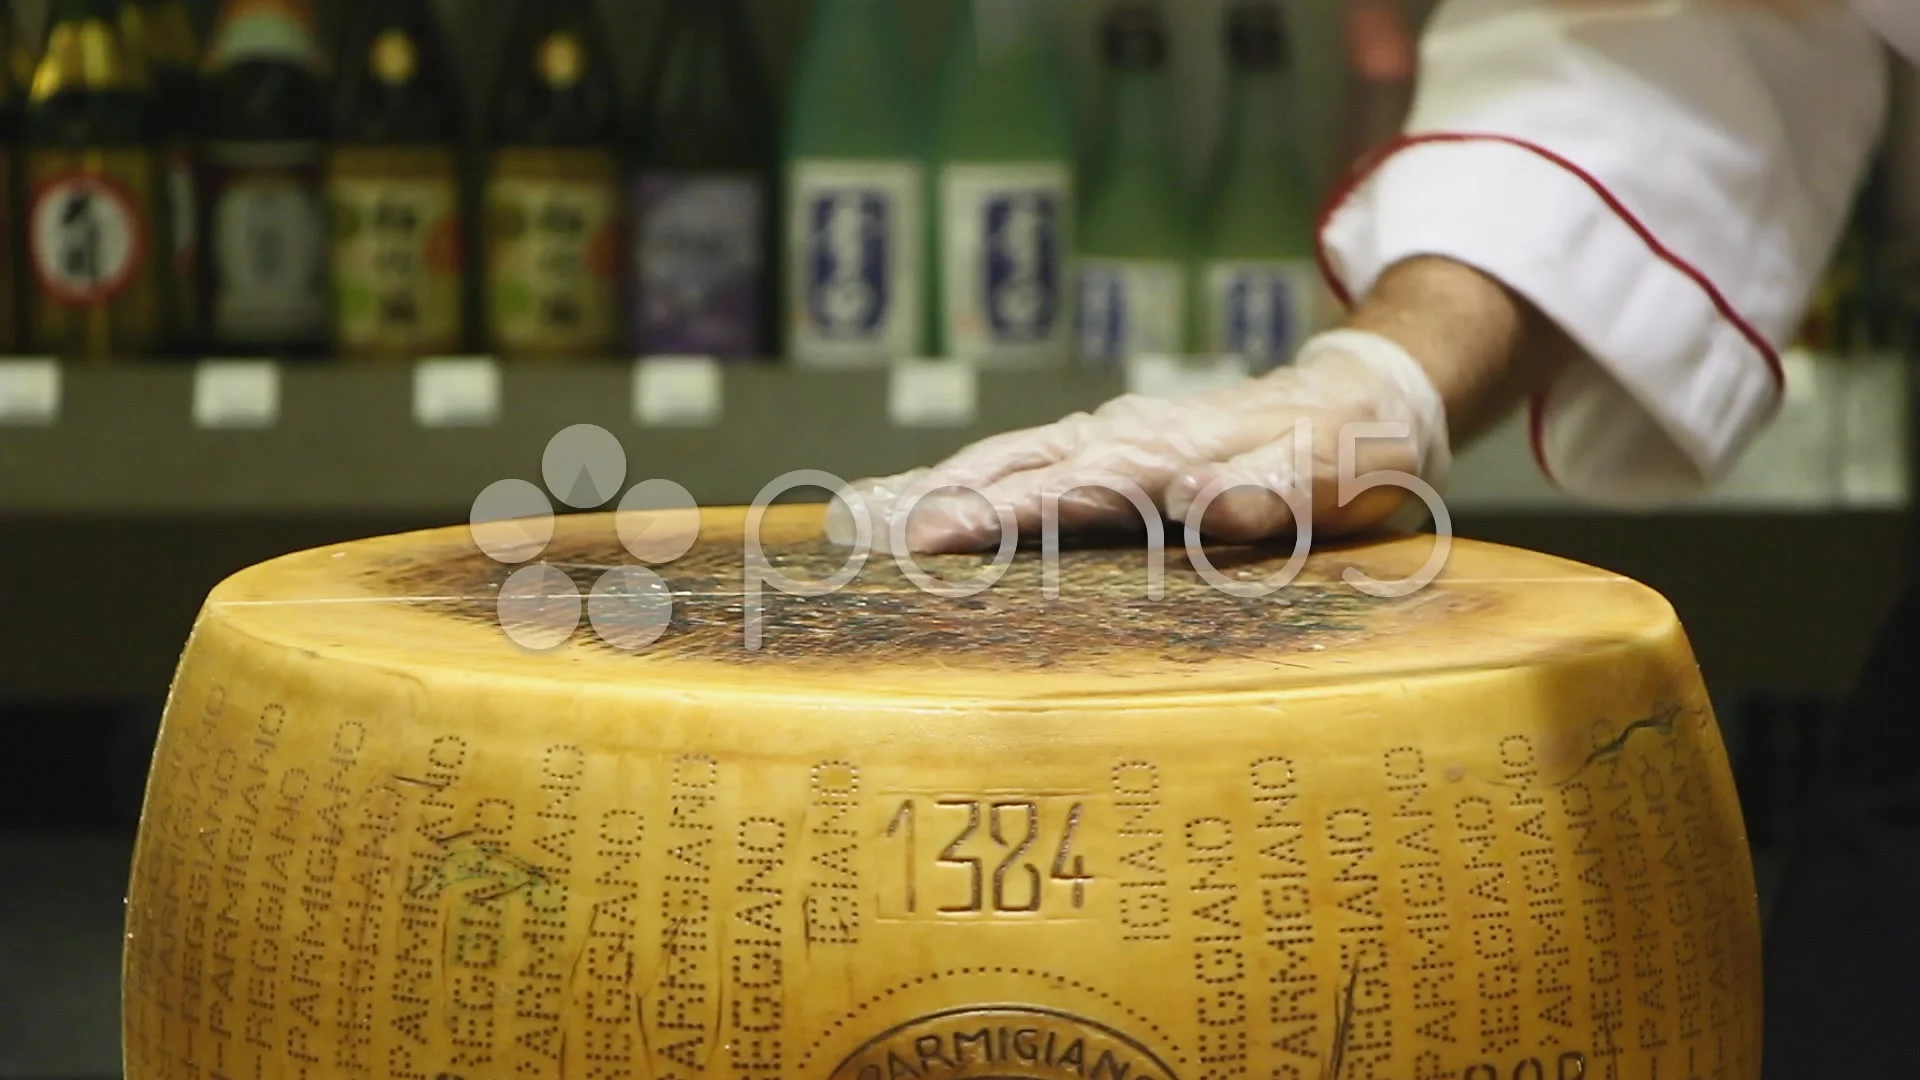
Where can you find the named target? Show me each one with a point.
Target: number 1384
(963, 856)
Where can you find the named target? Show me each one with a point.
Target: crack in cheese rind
(1488, 831)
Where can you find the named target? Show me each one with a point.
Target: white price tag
(1873, 431)
(933, 393)
(461, 391)
(232, 394)
(677, 391)
(1804, 377)
(1182, 376)
(29, 392)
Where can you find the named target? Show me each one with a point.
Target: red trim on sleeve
(1536, 420)
(1537, 435)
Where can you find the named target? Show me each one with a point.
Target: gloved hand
(1243, 462)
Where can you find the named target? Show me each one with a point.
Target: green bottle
(160, 40)
(1136, 234)
(394, 185)
(96, 192)
(263, 219)
(1004, 191)
(856, 223)
(1260, 291)
(553, 188)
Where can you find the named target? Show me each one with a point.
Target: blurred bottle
(703, 190)
(1004, 155)
(1260, 290)
(1827, 323)
(553, 188)
(160, 42)
(94, 180)
(1382, 58)
(264, 224)
(393, 185)
(19, 58)
(857, 225)
(12, 95)
(1136, 237)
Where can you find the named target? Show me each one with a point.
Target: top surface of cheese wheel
(432, 599)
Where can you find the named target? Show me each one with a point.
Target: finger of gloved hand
(987, 461)
(1106, 485)
(1266, 491)
(870, 500)
(937, 520)
(1247, 497)
(952, 522)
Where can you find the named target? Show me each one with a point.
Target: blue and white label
(1006, 247)
(856, 244)
(1130, 308)
(1262, 311)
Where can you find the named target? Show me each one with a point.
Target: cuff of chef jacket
(1679, 382)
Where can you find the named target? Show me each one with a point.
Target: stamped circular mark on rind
(1002, 1042)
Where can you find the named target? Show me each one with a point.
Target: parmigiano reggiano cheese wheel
(1486, 830)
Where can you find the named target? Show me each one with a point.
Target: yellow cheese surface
(1486, 830)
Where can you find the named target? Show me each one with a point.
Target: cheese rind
(1487, 830)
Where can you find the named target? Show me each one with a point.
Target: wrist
(1483, 347)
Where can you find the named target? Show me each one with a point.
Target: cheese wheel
(1055, 828)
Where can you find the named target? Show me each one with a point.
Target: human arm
(1615, 211)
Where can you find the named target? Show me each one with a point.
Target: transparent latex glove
(1220, 459)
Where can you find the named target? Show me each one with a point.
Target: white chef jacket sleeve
(1664, 180)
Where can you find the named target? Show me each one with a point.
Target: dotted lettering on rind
(681, 1009)
(611, 963)
(433, 786)
(1295, 993)
(1543, 905)
(1594, 895)
(1629, 815)
(370, 894)
(1363, 1020)
(1223, 1043)
(1421, 879)
(313, 1008)
(1144, 894)
(833, 899)
(1488, 909)
(757, 982)
(538, 1003)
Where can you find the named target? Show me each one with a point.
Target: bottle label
(701, 272)
(9, 262)
(1262, 311)
(1006, 243)
(553, 252)
(1130, 308)
(89, 241)
(184, 218)
(88, 238)
(262, 30)
(182, 199)
(269, 243)
(396, 250)
(857, 241)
